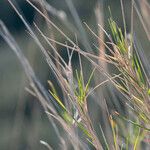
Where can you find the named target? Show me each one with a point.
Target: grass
(121, 127)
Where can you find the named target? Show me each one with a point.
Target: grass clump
(125, 129)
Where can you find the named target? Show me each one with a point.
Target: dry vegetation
(126, 124)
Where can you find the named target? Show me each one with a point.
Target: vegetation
(126, 124)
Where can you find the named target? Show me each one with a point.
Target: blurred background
(22, 120)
